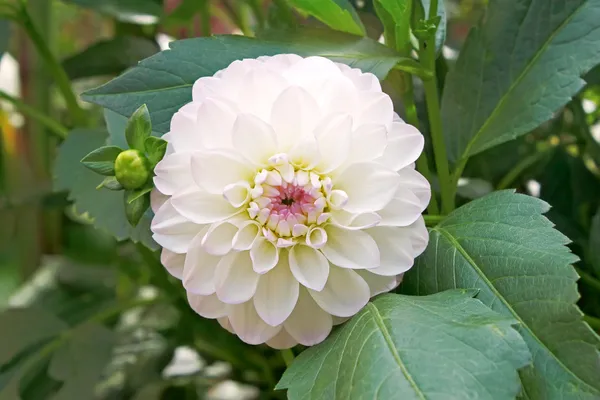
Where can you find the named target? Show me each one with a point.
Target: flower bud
(132, 169)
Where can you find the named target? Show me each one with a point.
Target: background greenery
(89, 312)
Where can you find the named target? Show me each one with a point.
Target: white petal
(336, 94)
(419, 236)
(249, 326)
(402, 210)
(200, 268)
(218, 240)
(405, 145)
(316, 237)
(378, 283)
(237, 194)
(184, 134)
(207, 86)
(413, 180)
(276, 294)
(173, 173)
(235, 281)
(295, 114)
(173, 262)
(215, 123)
(395, 247)
(309, 324)
(309, 266)
(305, 71)
(259, 91)
(376, 108)
(254, 139)
(350, 248)
(207, 306)
(344, 294)
(264, 255)
(305, 154)
(172, 230)
(333, 139)
(214, 170)
(202, 207)
(282, 340)
(368, 142)
(157, 199)
(351, 221)
(370, 186)
(225, 324)
(246, 235)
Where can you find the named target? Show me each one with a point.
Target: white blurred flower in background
(288, 197)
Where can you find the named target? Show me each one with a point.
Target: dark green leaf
(104, 206)
(110, 183)
(124, 10)
(133, 195)
(135, 209)
(594, 244)
(447, 345)
(138, 128)
(80, 362)
(337, 14)
(155, 148)
(4, 36)
(503, 246)
(395, 16)
(164, 81)
(522, 64)
(109, 57)
(102, 160)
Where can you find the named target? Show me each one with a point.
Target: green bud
(132, 169)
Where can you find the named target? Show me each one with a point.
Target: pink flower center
(291, 199)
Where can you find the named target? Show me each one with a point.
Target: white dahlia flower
(288, 197)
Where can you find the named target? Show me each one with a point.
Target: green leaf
(337, 14)
(80, 362)
(155, 148)
(164, 81)
(521, 65)
(110, 183)
(124, 10)
(447, 345)
(395, 16)
(102, 160)
(594, 243)
(133, 195)
(4, 36)
(137, 206)
(104, 206)
(138, 128)
(109, 57)
(502, 245)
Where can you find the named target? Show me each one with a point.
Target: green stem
(433, 8)
(288, 356)
(427, 55)
(60, 76)
(519, 168)
(54, 126)
(237, 17)
(407, 93)
(205, 18)
(432, 220)
(588, 279)
(592, 321)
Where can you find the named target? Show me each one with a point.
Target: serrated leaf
(135, 209)
(395, 16)
(164, 81)
(110, 183)
(503, 246)
(447, 345)
(79, 363)
(521, 65)
(104, 206)
(155, 149)
(138, 128)
(337, 14)
(102, 160)
(109, 57)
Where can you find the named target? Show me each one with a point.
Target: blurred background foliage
(66, 272)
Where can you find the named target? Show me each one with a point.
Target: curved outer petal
(235, 281)
(174, 173)
(201, 207)
(200, 268)
(173, 262)
(309, 266)
(350, 248)
(344, 294)
(208, 306)
(276, 295)
(308, 324)
(246, 323)
(172, 230)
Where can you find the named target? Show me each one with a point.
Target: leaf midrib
(388, 339)
(454, 242)
(465, 154)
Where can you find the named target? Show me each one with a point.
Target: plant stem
(57, 128)
(427, 55)
(432, 220)
(54, 67)
(592, 322)
(588, 279)
(205, 15)
(519, 168)
(288, 356)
